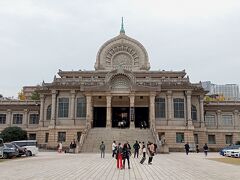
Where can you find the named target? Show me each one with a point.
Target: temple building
(121, 95)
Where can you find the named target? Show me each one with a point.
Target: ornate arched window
(49, 111)
(120, 82)
(194, 113)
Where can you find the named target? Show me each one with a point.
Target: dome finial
(122, 31)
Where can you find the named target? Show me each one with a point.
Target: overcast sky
(38, 37)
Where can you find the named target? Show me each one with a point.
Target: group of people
(72, 147)
(205, 148)
(122, 152)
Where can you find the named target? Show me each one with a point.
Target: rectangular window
(34, 119)
(179, 137)
(17, 118)
(226, 120)
(46, 137)
(178, 104)
(196, 138)
(81, 107)
(160, 107)
(229, 139)
(210, 120)
(61, 136)
(63, 107)
(2, 118)
(32, 136)
(211, 139)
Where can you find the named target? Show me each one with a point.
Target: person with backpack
(102, 149)
(205, 149)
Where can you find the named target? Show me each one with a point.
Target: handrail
(155, 136)
(83, 138)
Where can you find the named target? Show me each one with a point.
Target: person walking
(119, 151)
(205, 149)
(141, 148)
(144, 154)
(187, 147)
(150, 148)
(74, 145)
(114, 148)
(126, 154)
(136, 149)
(102, 149)
(60, 147)
(197, 148)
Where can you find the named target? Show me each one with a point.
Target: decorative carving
(120, 82)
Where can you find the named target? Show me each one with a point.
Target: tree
(13, 134)
(35, 96)
(21, 96)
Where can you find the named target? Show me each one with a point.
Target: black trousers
(150, 160)
(113, 153)
(136, 152)
(127, 161)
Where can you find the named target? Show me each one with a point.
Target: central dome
(122, 52)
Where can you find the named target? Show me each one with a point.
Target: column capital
(9, 110)
(42, 96)
(188, 93)
(218, 112)
(73, 92)
(25, 110)
(169, 93)
(54, 91)
(236, 112)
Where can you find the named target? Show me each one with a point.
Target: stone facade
(122, 87)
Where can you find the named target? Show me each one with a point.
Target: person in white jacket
(114, 148)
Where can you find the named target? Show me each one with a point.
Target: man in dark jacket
(126, 154)
(136, 148)
(187, 148)
(102, 149)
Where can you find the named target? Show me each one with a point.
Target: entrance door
(141, 117)
(99, 116)
(120, 117)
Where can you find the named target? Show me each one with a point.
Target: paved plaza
(51, 165)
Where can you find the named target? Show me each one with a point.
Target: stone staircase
(97, 135)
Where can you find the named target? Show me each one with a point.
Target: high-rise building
(229, 91)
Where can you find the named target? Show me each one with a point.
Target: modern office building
(229, 91)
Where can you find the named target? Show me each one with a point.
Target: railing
(155, 136)
(83, 138)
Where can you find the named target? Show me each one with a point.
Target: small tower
(122, 31)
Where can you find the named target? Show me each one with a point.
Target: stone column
(89, 111)
(235, 119)
(152, 111)
(72, 106)
(9, 118)
(132, 111)
(169, 105)
(53, 110)
(201, 100)
(109, 111)
(41, 115)
(219, 113)
(25, 118)
(189, 108)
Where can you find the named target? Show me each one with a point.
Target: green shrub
(13, 134)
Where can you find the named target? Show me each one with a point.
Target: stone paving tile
(174, 166)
